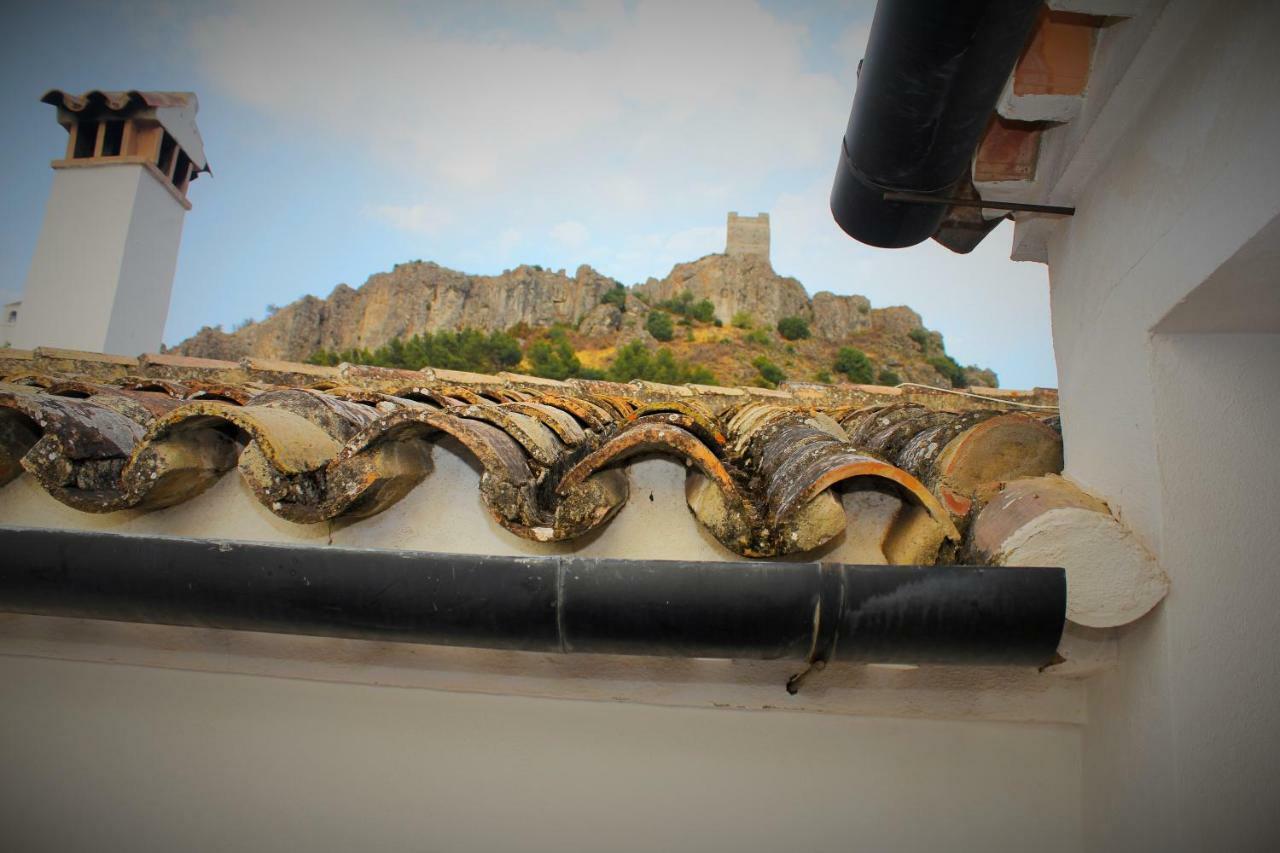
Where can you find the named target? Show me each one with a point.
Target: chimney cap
(175, 111)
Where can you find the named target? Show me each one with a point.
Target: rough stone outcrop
(734, 283)
(836, 317)
(981, 377)
(895, 320)
(601, 320)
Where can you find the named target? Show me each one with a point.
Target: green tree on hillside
(948, 367)
(770, 373)
(616, 295)
(467, 349)
(793, 328)
(853, 363)
(659, 325)
(636, 361)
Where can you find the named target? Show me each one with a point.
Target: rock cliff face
(412, 298)
(734, 283)
(837, 317)
(420, 297)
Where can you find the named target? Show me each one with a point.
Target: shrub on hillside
(888, 377)
(553, 359)
(793, 328)
(770, 373)
(742, 320)
(636, 361)
(949, 368)
(616, 295)
(853, 363)
(659, 325)
(703, 311)
(684, 306)
(467, 349)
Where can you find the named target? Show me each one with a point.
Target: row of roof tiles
(264, 371)
(765, 472)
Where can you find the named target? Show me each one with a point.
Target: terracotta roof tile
(187, 362)
(773, 393)
(57, 354)
(658, 389)
(463, 377)
(703, 390)
(271, 365)
(521, 379)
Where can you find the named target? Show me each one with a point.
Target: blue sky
(346, 138)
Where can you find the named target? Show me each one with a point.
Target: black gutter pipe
(927, 86)
(800, 611)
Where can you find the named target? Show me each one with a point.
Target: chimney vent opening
(167, 148)
(112, 138)
(86, 139)
(182, 170)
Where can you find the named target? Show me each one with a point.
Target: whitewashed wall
(100, 757)
(1166, 317)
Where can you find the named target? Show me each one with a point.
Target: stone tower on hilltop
(748, 235)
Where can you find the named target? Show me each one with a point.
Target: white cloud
(719, 90)
(573, 235)
(416, 219)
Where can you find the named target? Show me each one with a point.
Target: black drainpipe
(799, 611)
(927, 86)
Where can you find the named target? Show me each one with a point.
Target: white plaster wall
(72, 282)
(1193, 181)
(1180, 748)
(103, 267)
(1217, 415)
(105, 757)
(146, 270)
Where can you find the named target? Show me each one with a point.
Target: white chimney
(103, 268)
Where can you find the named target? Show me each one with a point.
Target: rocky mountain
(425, 297)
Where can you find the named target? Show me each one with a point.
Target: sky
(346, 138)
